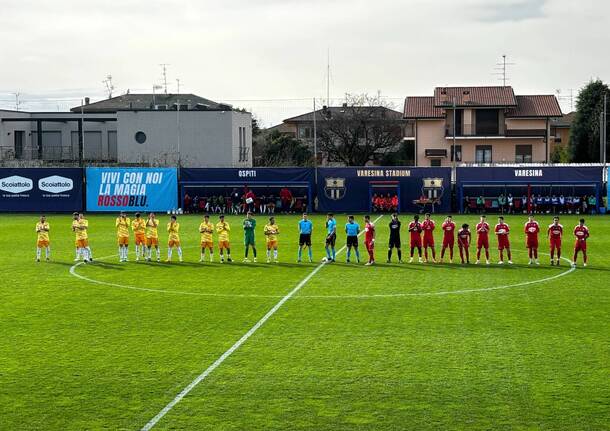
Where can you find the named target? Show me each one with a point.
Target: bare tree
(362, 130)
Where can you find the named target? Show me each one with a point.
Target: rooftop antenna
(502, 70)
(17, 101)
(567, 98)
(109, 85)
(164, 66)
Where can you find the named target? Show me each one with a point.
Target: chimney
(87, 100)
(466, 96)
(443, 96)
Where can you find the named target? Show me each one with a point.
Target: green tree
(560, 154)
(284, 150)
(585, 131)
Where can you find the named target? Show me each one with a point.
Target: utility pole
(604, 130)
(315, 144)
(328, 77)
(453, 147)
(178, 122)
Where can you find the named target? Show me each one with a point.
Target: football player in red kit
(415, 233)
(581, 232)
(502, 230)
(428, 227)
(448, 228)
(482, 229)
(463, 236)
(369, 239)
(532, 228)
(554, 233)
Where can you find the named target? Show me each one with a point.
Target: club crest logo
(433, 188)
(334, 188)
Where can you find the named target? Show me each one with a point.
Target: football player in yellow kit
(42, 233)
(122, 232)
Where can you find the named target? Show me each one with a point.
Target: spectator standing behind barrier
(250, 198)
(187, 203)
(467, 205)
(481, 204)
(511, 204)
(286, 198)
(502, 202)
(592, 204)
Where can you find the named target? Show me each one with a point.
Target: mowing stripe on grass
(236, 346)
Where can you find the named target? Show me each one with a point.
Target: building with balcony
(131, 129)
(487, 124)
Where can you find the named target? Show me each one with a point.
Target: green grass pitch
(390, 347)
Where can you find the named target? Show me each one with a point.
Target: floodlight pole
(454, 126)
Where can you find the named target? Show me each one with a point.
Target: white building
(132, 129)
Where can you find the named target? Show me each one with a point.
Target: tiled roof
(543, 105)
(564, 121)
(147, 102)
(422, 107)
(474, 96)
(308, 117)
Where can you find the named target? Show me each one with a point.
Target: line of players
(483, 230)
(421, 238)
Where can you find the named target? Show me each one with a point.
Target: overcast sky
(270, 55)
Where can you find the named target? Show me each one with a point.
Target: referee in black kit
(394, 238)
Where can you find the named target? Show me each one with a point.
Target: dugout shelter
(267, 185)
(523, 180)
(351, 189)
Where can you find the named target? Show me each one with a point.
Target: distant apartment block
(132, 129)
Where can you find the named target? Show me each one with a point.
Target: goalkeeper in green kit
(249, 225)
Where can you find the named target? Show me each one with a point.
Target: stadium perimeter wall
(582, 179)
(333, 189)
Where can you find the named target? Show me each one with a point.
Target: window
(482, 154)
(19, 141)
(140, 137)
(305, 132)
(458, 153)
(435, 162)
(243, 148)
(487, 122)
(523, 153)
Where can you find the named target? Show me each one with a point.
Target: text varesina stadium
(383, 173)
(528, 172)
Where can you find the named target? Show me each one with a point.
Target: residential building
(492, 125)
(560, 130)
(132, 129)
(302, 126)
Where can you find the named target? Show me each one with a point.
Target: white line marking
(371, 296)
(446, 292)
(236, 346)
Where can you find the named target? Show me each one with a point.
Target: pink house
(487, 124)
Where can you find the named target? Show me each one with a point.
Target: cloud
(514, 11)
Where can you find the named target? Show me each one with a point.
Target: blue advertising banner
(530, 175)
(246, 175)
(41, 189)
(132, 189)
(355, 188)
